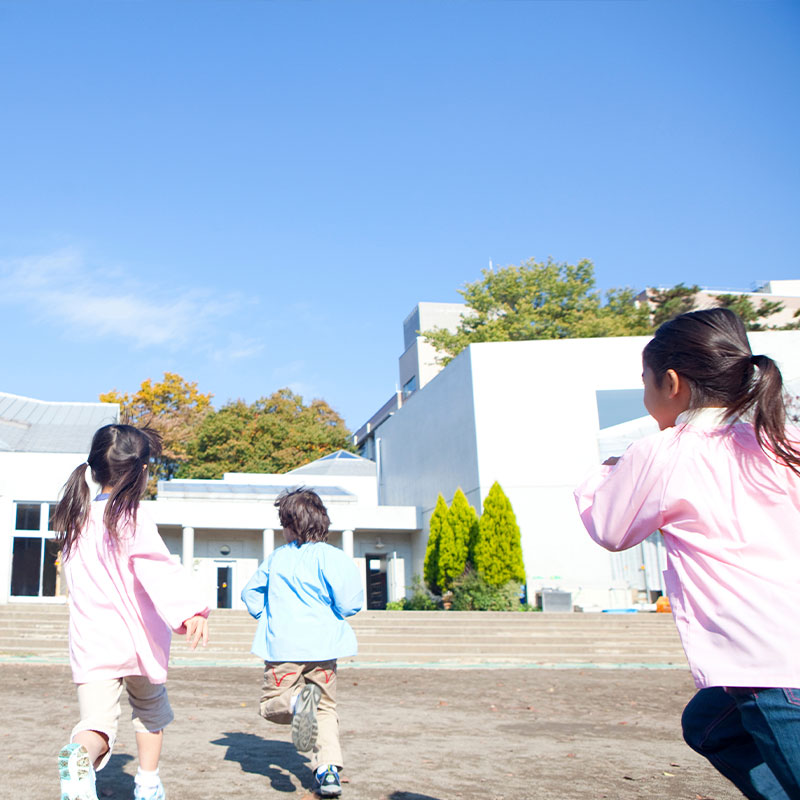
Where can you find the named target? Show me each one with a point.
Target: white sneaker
(76, 772)
(149, 792)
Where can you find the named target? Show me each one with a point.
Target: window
(34, 552)
(28, 516)
(410, 386)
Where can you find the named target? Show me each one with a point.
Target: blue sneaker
(149, 792)
(327, 782)
(76, 773)
(304, 718)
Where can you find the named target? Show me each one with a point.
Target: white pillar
(347, 542)
(268, 538)
(187, 556)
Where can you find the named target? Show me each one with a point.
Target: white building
(40, 444)
(533, 416)
(219, 529)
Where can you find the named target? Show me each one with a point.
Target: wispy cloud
(92, 302)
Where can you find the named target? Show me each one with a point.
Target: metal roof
(224, 490)
(41, 426)
(338, 463)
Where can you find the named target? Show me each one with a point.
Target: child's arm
(344, 584)
(254, 595)
(162, 577)
(620, 504)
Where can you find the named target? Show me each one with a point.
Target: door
(376, 581)
(224, 586)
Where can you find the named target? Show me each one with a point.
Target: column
(187, 557)
(347, 542)
(268, 539)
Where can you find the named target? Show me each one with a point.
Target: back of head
(303, 515)
(710, 351)
(118, 458)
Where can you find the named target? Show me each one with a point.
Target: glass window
(25, 566)
(49, 569)
(51, 509)
(29, 516)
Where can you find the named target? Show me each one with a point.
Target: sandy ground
(425, 734)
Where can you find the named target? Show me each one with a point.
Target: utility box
(555, 601)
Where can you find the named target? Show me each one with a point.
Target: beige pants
(99, 707)
(285, 679)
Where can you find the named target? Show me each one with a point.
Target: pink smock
(125, 599)
(730, 517)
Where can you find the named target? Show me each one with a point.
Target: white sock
(146, 778)
(293, 701)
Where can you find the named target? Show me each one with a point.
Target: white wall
(27, 477)
(525, 414)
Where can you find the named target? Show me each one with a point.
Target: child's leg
(712, 726)
(150, 713)
(99, 709)
(327, 750)
(772, 717)
(281, 681)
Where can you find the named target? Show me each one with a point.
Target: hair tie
(754, 360)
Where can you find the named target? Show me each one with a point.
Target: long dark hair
(117, 458)
(303, 514)
(710, 351)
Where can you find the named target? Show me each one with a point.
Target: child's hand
(196, 629)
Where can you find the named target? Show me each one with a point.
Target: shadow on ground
(272, 759)
(112, 780)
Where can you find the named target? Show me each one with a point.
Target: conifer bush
(498, 549)
(456, 541)
(431, 565)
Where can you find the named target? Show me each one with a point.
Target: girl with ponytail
(126, 596)
(721, 481)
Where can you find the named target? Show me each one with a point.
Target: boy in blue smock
(300, 596)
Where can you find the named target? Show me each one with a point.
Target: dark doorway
(376, 581)
(26, 567)
(224, 587)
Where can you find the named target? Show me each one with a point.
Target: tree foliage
(456, 540)
(754, 317)
(174, 407)
(669, 303)
(274, 434)
(498, 549)
(431, 565)
(539, 300)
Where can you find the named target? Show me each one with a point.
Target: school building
(536, 416)
(219, 529)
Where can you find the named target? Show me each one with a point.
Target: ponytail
(710, 351)
(765, 401)
(72, 511)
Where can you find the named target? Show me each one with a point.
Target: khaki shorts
(100, 710)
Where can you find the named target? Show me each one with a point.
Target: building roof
(191, 488)
(339, 463)
(41, 426)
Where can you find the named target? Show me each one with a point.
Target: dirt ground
(424, 734)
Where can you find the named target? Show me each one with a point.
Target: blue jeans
(751, 735)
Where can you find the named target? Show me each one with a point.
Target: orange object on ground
(662, 604)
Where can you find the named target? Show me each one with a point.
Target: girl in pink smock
(126, 596)
(721, 481)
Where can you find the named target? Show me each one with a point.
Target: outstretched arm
(254, 594)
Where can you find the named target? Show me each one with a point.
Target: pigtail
(72, 511)
(766, 402)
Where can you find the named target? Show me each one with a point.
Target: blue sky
(255, 194)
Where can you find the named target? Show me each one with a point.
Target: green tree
(669, 303)
(174, 408)
(754, 317)
(539, 300)
(431, 566)
(456, 540)
(274, 434)
(498, 550)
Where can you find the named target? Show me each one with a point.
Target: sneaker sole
(304, 719)
(82, 767)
